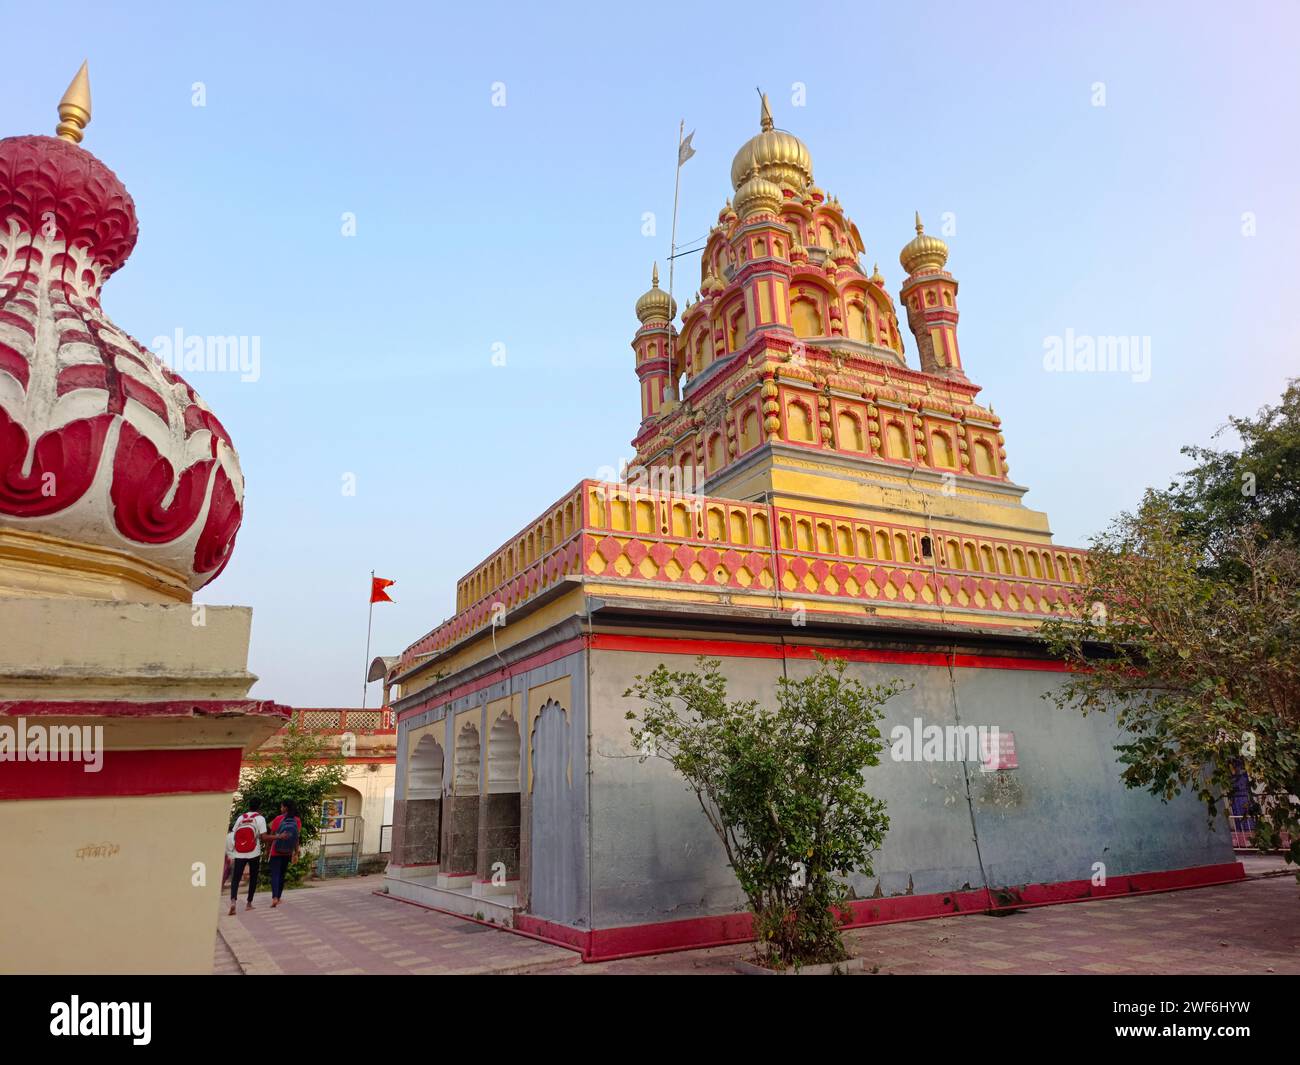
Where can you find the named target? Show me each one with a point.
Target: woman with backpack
(283, 836)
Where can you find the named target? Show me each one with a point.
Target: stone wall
(1052, 819)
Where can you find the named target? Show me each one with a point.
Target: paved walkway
(1250, 927)
(342, 927)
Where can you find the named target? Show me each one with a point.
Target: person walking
(244, 848)
(286, 831)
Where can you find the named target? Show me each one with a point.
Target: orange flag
(377, 586)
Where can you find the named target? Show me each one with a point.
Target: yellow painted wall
(138, 910)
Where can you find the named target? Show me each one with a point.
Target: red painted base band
(160, 772)
(607, 944)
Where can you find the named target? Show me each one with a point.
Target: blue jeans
(279, 866)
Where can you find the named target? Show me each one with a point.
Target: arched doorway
(499, 814)
(422, 835)
(553, 853)
(460, 861)
(341, 831)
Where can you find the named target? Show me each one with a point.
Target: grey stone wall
(460, 835)
(654, 857)
(499, 835)
(421, 831)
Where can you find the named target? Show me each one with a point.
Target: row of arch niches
(463, 813)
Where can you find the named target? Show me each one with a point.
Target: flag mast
(365, 683)
(672, 262)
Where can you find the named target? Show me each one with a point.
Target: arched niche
(896, 441)
(467, 760)
(941, 450)
(806, 317)
(503, 755)
(856, 325)
(425, 771)
(421, 822)
(799, 420)
(851, 437)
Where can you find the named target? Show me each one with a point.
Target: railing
(329, 720)
(338, 856)
(617, 532)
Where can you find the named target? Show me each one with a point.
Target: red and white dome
(100, 443)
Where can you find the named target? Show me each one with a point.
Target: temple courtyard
(344, 927)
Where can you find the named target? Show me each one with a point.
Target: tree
(782, 788)
(1189, 628)
(1254, 487)
(304, 769)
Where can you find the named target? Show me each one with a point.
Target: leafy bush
(781, 787)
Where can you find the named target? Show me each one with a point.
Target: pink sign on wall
(997, 750)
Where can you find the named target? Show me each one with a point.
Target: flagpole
(365, 683)
(672, 262)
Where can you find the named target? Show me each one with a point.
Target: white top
(258, 824)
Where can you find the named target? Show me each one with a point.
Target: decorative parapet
(758, 552)
(373, 733)
(330, 720)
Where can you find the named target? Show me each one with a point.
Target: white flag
(685, 151)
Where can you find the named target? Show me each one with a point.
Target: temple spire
(919, 227)
(74, 108)
(765, 117)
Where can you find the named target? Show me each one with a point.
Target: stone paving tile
(1258, 919)
(224, 962)
(342, 927)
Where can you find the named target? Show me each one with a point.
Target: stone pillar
(122, 846)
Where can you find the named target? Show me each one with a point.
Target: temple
(800, 485)
(124, 708)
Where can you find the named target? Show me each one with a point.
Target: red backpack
(246, 838)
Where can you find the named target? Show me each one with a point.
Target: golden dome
(774, 155)
(923, 254)
(656, 303)
(757, 195)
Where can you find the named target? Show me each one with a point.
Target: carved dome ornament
(758, 196)
(656, 305)
(924, 254)
(774, 155)
(114, 474)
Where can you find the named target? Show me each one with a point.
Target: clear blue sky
(479, 225)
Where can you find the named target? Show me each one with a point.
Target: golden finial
(655, 302)
(74, 108)
(765, 117)
(923, 254)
